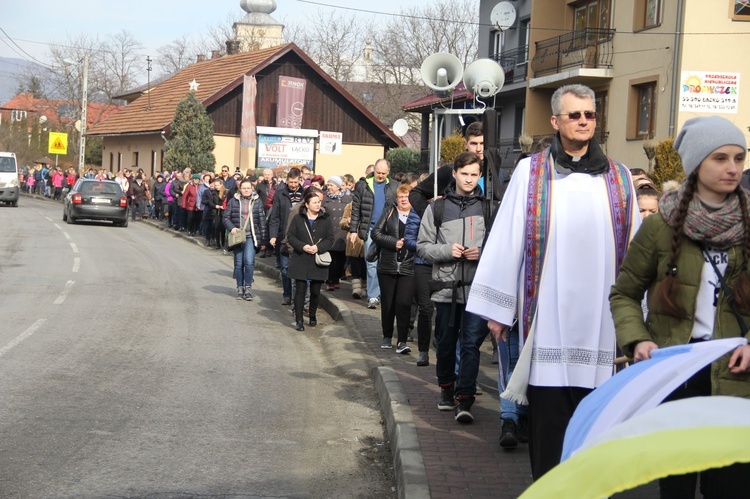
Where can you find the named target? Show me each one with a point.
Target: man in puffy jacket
(370, 197)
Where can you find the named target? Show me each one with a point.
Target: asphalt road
(128, 369)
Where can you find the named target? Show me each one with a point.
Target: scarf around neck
(720, 229)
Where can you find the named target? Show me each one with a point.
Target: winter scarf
(335, 196)
(719, 228)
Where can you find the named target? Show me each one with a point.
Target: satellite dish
(400, 127)
(484, 78)
(78, 125)
(442, 72)
(42, 119)
(503, 16)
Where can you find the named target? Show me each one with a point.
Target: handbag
(321, 259)
(239, 237)
(373, 253)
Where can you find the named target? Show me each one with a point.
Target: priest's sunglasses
(589, 115)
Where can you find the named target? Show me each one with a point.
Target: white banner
(709, 92)
(330, 142)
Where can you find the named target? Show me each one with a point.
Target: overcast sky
(35, 23)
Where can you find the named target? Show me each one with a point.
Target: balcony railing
(587, 48)
(515, 63)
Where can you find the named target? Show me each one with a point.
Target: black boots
(313, 318)
(300, 326)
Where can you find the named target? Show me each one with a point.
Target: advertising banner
(277, 150)
(330, 142)
(291, 102)
(247, 128)
(709, 92)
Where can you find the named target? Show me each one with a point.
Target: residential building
(653, 64)
(135, 136)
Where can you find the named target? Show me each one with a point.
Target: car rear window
(95, 188)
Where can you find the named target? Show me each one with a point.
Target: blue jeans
(471, 330)
(508, 352)
(286, 283)
(244, 263)
(373, 287)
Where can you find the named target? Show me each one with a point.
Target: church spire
(258, 29)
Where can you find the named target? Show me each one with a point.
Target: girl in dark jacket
(246, 210)
(395, 270)
(309, 233)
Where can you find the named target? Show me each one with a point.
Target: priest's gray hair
(580, 91)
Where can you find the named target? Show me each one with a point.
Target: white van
(9, 186)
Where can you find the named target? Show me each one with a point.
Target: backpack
(438, 210)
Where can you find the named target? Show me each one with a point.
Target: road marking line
(31, 330)
(48, 218)
(67, 236)
(68, 287)
(75, 248)
(58, 226)
(76, 264)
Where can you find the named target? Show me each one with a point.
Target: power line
(21, 49)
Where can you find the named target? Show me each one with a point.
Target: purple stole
(538, 204)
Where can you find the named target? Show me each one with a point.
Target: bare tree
(336, 43)
(216, 36)
(123, 63)
(406, 41)
(176, 56)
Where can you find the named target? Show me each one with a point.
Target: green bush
(403, 159)
(668, 165)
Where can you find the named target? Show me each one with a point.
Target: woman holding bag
(245, 213)
(310, 233)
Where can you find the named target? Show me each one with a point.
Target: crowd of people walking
(574, 261)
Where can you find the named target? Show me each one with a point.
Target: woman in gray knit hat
(681, 255)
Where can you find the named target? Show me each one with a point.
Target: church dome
(258, 6)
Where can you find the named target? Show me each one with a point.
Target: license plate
(99, 201)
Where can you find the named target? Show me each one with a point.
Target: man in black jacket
(287, 196)
(370, 198)
(419, 196)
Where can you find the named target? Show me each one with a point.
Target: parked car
(9, 185)
(91, 199)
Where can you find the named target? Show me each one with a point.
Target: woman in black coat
(309, 233)
(335, 202)
(395, 270)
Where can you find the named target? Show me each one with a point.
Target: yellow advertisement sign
(58, 143)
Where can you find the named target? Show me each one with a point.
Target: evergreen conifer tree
(191, 142)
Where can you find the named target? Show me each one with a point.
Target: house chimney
(233, 47)
(215, 54)
(200, 58)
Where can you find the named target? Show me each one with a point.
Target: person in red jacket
(190, 204)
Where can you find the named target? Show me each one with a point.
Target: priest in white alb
(553, 253)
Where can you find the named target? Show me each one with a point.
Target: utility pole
(84, 108)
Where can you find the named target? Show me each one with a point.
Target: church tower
(258, 30)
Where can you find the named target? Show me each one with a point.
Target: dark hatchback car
(96, 200)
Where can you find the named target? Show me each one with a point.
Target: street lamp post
(84, 108)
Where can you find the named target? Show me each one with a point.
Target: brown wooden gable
(326, 108)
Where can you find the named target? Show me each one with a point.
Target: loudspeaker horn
(484, 78)
(442, 72)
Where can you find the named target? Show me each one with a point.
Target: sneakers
(463, 411)
(248, 294)
(478, 390)
(508, 434)
(447, 402)
(423, 359)
(373, 303)
(286, 301)
(387, 343)
(240, 292)
(402, 347)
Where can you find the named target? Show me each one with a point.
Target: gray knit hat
(335, 179)
(700, 137)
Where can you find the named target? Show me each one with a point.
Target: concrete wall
(125, 146)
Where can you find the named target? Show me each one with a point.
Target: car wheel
(124, 223)
(71, 220)
(14, 204)
(65, 216)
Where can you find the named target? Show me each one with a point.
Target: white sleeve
(497, 284)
